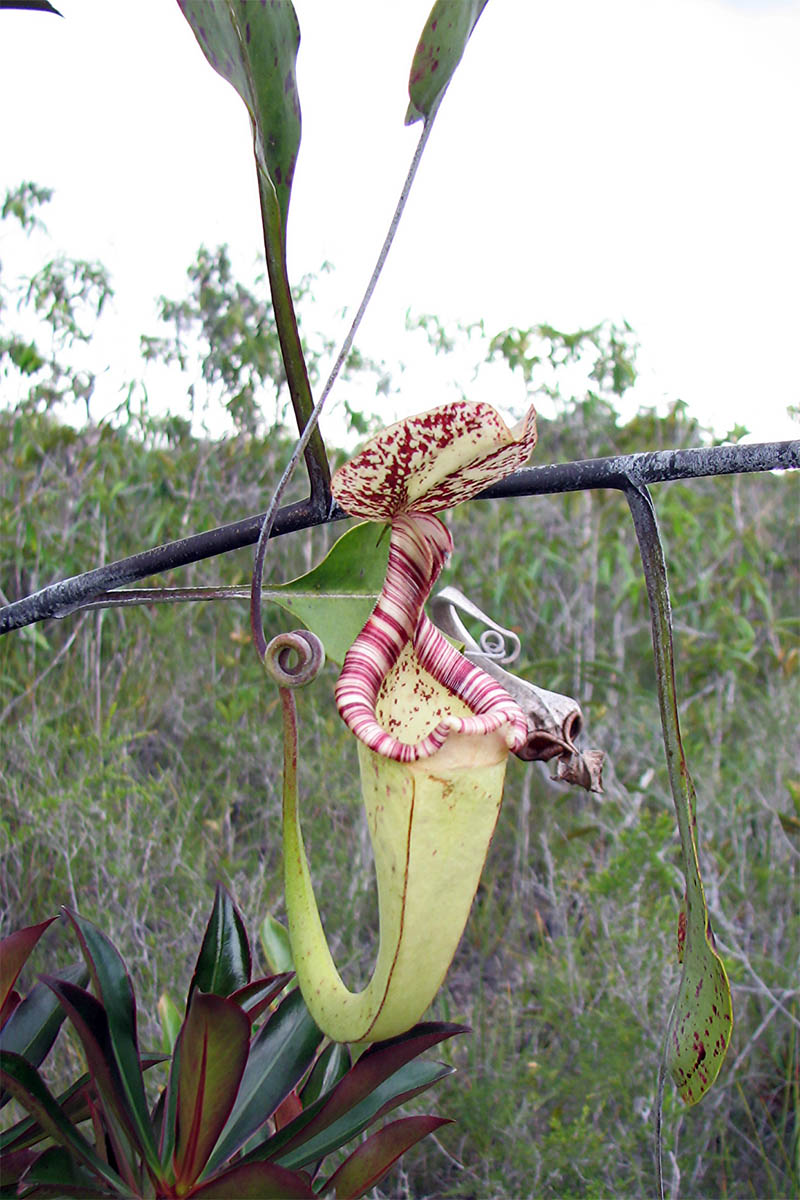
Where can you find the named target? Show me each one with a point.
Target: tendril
(304, 648)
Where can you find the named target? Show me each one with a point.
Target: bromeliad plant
(434, 730)
(254, 1099)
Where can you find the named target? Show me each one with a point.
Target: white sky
(633, 159)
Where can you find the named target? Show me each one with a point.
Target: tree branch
(65, 597)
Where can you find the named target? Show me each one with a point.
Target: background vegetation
(141, 759)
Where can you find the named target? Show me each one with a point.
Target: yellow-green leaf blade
(336, 598)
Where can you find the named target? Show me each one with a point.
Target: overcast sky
(633, 159)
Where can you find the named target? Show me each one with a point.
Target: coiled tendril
(307, 651)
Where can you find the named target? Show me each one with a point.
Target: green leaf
(336, 599)
(380, 1062)
(91, 1023)
(115, 992)
(257, 996)
(256, 1181)
(223, 964)
(368, 1164)
(275, 944)
(331, 1066)
(35, 1022)
(702, 1020)
(28, 1132)
(700, 1026)
(56, 1168)
(214, 1043)
(14, 952)
(409, 1081)
(279, 1057)
(439, 50)
(170, 1018)
(28, 1087)
(254, 47)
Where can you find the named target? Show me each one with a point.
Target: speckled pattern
(433, 461)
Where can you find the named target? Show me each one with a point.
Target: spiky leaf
(223, 964)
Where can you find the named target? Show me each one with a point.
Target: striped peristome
(420, 545)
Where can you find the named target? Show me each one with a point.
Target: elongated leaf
(409, 1081)
(255, 997)
(171, 1021)
(214, 1044)
(115, 992)
(73, 1103)
(223, 964)
(276, 945)
(56, 1168)
(444, 38)
(256, 1181)
(335, 600)
(701, 1023)
(33, 1026)
(331, 1066)
(367, 1165)
(28, 1087)
(380, 1062)
(91, 1024)
(279, 1057)
(14, 952)
(28, 1131)
(254, 47)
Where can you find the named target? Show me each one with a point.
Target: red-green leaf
(256, 1181)
(257, 995)
(55, 1171)
(444, 38)
(213, 1052)
(331, 1066)
(91, 1023)
(367, 1165)
(36, 1020)
(28, 1132)
(115, 992)
(14, 952)
(404, 1085)
(28, 1087)
(379, 1063)
(254, 47)
(279, 1057)
(223, 964)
